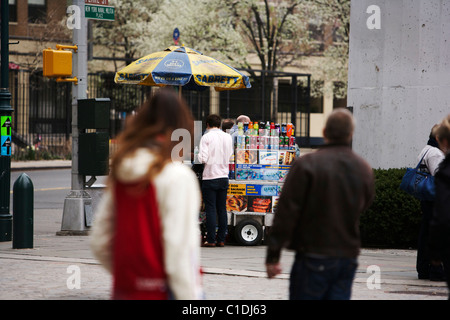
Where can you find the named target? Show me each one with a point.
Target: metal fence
(43, 108)
(41, 120)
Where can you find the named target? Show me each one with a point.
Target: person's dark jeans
(423, 264)
(322, 278)
(215, 198)
(446, 263)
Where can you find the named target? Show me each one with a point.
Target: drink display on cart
(263, 155)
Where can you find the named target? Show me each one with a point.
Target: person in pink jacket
(146, 230)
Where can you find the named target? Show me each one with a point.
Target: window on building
(12, 10)
(37, 11)
(317, 88)
(316, 31)
(339, 95)
(285, 95)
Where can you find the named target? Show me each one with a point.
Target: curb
(40, 165)
(15, 169)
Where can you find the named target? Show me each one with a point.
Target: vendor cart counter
(256, 179)
(250, 206)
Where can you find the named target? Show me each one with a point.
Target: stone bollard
(23, 206)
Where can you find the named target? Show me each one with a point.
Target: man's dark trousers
(215, 196)
(322, 278)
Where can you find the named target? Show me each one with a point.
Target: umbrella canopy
(182, 66)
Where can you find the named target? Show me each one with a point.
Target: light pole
(5, 127)
(78, 202)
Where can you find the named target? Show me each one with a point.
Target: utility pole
(5, 127)
(78, 202)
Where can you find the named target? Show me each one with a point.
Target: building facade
(39, 24)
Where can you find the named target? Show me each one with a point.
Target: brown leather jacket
(320, 204)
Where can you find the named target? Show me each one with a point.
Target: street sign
(5, 146)
(5, 136)
(99, 2)
(5, 124)
(99, 12)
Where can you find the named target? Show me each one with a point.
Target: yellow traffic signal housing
(57, 63)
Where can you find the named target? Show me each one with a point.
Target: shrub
(393, 220)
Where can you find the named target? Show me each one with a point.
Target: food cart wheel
(248, 232)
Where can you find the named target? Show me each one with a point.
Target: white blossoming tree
(129, 28)
(276, 32)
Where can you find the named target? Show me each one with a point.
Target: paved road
(50, 186)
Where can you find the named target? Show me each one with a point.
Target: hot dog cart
(258, 167)
(253, 193)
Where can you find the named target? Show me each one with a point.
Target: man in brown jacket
(318, 215)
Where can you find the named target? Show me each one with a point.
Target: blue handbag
(419, 184)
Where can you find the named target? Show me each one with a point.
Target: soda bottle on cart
(281, 145)
(292, 141)
(275, 142)
(240, 128)
(283, 137)
(278, 129)
(261, 128)
(255, 128)
(289, 127)
(253, 142)
(240, 143)
(261, 142)
(231, 167)
(231, 175)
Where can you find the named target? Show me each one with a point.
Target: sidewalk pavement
(231, 273)
(47, 271)
(40, 164)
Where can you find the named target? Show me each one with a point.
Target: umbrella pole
(179, 91)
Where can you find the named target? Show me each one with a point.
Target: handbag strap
(422, 159)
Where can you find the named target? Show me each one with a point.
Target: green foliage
(393, 219)
(32, 154)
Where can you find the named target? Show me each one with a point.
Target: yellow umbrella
(182, 66)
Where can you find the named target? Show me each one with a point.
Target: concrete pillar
(399, 76)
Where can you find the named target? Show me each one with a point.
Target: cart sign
(99, 2)
(99, 12)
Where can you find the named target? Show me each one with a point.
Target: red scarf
(138, 263)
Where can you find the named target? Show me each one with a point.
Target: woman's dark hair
(151, 127)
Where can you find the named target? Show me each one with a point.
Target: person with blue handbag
(430, 157)
(440, 223)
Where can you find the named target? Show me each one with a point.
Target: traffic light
(58, 63)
